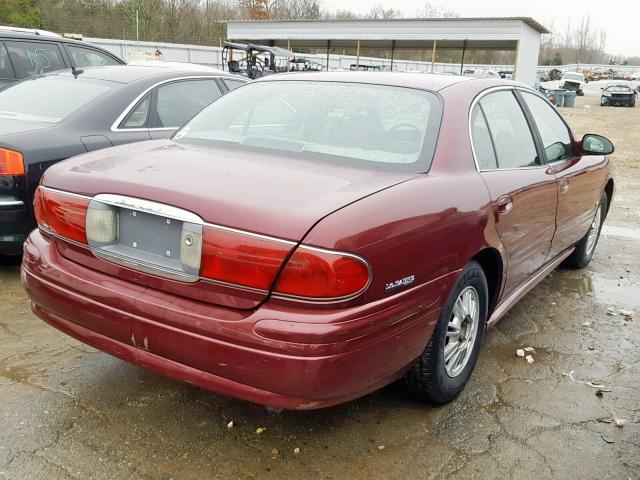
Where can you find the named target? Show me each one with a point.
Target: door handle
(564, 185)
(505, 204)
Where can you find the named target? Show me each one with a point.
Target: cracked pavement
(68, 411)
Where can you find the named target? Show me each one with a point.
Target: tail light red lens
(318, 273)
(240, 258)
(11, 162)
(254, 261)
(61, 213)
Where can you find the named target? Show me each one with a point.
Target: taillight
(317, 273)
(240, 258)
(11, 162)
(61, 213)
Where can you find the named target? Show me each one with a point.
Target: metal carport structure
(519, 34)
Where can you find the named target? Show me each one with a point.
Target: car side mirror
(593, 144)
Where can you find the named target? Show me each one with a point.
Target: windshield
(359, 124)
(618, 87)
(49, 99)
(576, 77)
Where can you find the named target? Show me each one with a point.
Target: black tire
(427, 380)
(581, 256)
(579, 93)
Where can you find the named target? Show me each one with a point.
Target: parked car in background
(573, 81)
(309, 238)
(619, 94)
(482, 73)
(24, 53)
(52, 117)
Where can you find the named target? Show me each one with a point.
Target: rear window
(359, 124)
(34, 58)
(49, 99)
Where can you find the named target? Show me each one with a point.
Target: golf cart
(255, 61)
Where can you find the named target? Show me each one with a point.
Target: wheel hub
(462, 330)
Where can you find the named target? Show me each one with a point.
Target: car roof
(424, 81)
(27, 31)
(132, 73)
(42, 37)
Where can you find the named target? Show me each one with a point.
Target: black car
(24, 53)
(49, 118)
(619, 94)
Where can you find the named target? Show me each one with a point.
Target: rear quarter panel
(427, 228)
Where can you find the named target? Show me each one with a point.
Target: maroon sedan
(309, 238)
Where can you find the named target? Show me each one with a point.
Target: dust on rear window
(356, 123)
(49, 99)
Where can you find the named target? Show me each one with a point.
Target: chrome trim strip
(250, 234)
(127, 110)
(476, 100)
(11, 203)
(63, 192)
(148, 206)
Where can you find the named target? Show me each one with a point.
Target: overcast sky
(621, 28)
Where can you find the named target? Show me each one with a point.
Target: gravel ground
(70, 412)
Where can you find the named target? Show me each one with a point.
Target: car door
(579, 191)
(177, 101)
(522, 189)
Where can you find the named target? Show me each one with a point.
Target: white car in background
(482, 73)
(573, 81)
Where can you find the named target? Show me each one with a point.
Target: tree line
(202, 22)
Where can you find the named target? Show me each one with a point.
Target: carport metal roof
(519, 34)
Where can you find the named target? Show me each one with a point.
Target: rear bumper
(295, 359)
(15, 225)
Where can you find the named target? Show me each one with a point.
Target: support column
(526, 62)
(358, 55)
(289, 45)
(393, 51)
(433, 56)
(328, 49)
(464, 50)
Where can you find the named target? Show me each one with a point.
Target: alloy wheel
(462, 331)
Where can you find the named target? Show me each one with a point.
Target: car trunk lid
(245, 190)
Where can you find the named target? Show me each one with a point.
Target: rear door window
(509, 130)
(482, 143)
(179, 101)
(34, 58)
(88, 57)
(6, 70)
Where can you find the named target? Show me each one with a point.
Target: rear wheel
(446, 364)
(586, 247)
